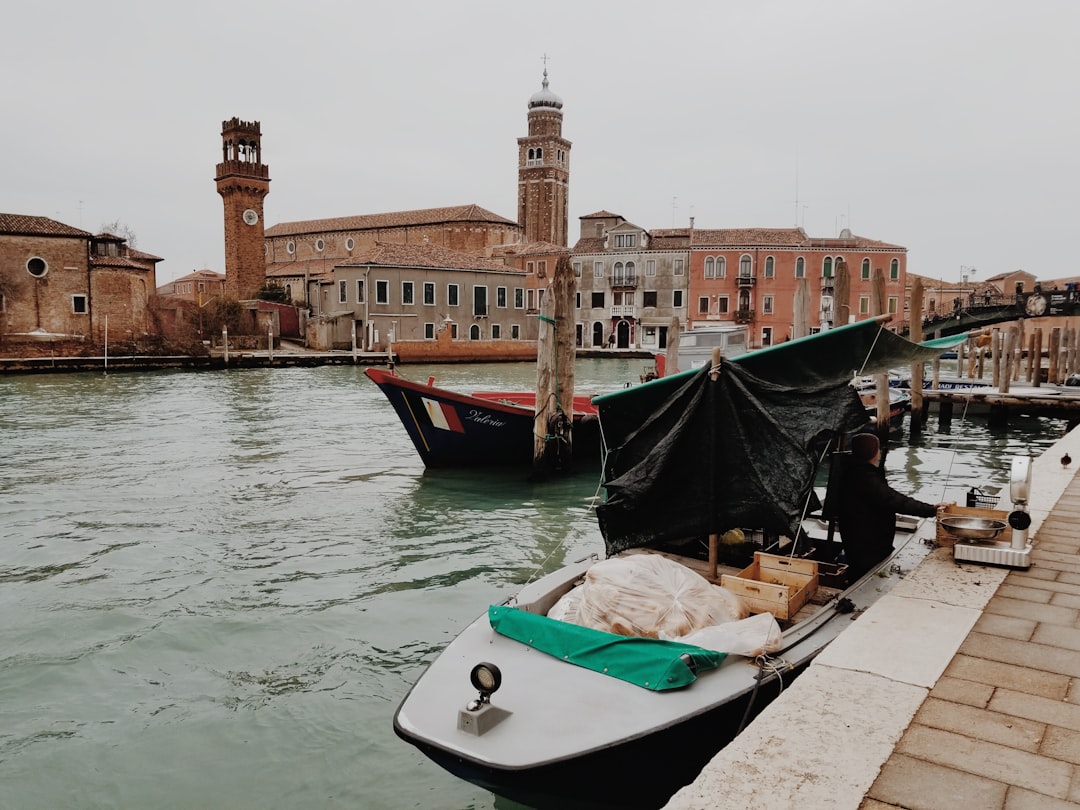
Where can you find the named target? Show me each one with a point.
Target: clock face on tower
(251, 216)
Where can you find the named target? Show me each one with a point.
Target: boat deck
(958, 689)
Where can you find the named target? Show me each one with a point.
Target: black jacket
(867, 515)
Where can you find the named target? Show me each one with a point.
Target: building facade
(631, 283)
(59, 283)
(393, 293)
(200, 286)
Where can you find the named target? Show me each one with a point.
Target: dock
(958, 688)
(1054, 401)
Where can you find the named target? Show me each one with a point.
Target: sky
(950, 127)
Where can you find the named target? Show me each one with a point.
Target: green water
(216, 587)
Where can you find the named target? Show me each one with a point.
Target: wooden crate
(776, 585)
(944, 538)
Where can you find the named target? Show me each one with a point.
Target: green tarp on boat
(647, 662)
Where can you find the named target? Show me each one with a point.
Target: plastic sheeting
(648, 595)
(735, 452)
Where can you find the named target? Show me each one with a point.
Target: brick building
(632, 281)
(200, 286)
(62, 284)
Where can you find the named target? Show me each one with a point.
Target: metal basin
(974, 528)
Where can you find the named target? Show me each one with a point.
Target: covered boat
(713, 472)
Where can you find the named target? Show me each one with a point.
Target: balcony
(623, 280)
(624, 311)
(746, 281)
(744, 315)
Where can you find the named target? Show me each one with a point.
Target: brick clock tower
(242, 181)
(544, 171)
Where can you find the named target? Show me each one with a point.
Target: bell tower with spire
(243, 181)
(544, 171)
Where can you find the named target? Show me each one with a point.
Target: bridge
(982, 311)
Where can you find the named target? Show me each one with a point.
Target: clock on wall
(251, 216)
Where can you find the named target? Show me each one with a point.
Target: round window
(290, 246)
(350, 243)
(319, 245)
(36, 267)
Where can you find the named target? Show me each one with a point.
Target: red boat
(486, 428)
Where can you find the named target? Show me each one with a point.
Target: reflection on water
(218, 586)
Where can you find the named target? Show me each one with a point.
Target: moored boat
(486, 428)
(713, 471)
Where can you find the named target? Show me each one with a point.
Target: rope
(774, 666)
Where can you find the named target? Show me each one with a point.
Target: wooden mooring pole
(553, 425)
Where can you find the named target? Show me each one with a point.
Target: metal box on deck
(774, 584)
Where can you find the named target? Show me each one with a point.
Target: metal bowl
(974, 528)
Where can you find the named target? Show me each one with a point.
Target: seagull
(1066, 460)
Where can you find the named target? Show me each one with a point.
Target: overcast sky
(951, 127)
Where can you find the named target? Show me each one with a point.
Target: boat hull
(573, 737)
(449, 429)
(641, 773)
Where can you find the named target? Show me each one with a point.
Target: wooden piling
(918, 368)
(552, 434)
(1007, 360)
(1055, 349)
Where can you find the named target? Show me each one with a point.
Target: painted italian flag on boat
(442, 416)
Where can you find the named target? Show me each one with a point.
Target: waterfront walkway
(959, 688)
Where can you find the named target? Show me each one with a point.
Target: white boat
(694, 348)
(520, 703)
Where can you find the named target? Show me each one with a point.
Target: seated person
(867, 508)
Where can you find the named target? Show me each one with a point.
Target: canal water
(216, 587)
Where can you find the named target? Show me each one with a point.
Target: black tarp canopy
(734, 452)
(687, 455)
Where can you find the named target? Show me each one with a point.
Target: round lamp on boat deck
(486, 679)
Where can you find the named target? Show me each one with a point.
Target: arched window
(865, 269)
(745, 266)
(826, 267)
(800, 267)
(770, 267)
(710, 268)
(894, 270)
(721, 267)
(474, 332)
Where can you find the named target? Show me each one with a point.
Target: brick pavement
(1001, 727)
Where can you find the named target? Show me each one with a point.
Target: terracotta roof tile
(386, 254)
(589, 244)
(125, 262)
(25, 225)
(398, 219)
(601, 215)
(747, 237)
(530, 249)
(202, 275)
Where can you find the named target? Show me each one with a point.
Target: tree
(121, 229)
